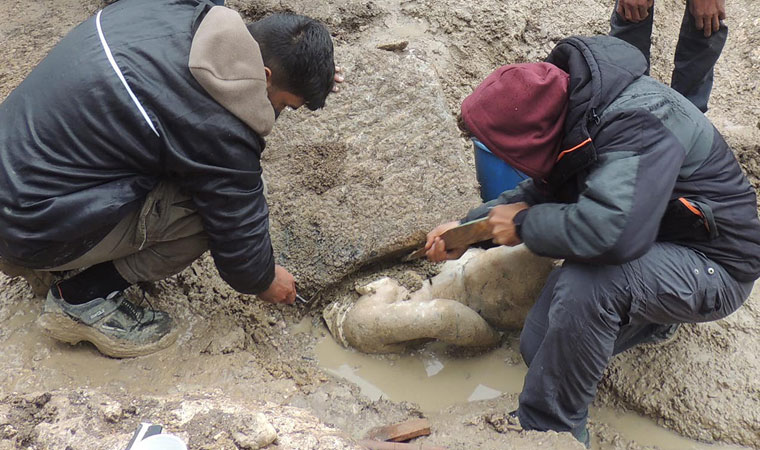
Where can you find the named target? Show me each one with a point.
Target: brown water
(435, 380)
(647, 433)
(429, 377)
(34, 362)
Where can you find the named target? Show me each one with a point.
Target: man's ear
(268, 73)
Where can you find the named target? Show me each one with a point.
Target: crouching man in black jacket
(135, 146)
(634, 188)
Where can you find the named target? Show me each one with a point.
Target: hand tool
(465, 234)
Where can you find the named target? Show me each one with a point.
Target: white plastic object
(161, 442)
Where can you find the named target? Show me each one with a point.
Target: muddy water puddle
(646, 433)
(434, 380)
(430, 377)
(33, 362)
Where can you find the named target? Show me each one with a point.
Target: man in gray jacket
(135, 146)
(634, 188)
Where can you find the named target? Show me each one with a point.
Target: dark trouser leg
(594, 311)
(536, 322)
(638, 34)
(695, 59)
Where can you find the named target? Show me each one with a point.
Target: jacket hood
(226, 62)
(590, 92)
(519, 112)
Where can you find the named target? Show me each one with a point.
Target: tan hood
(226, 61)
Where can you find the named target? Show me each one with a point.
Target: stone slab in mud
(368, 176)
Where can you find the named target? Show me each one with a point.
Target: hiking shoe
(580, 433)
(664, 334)
(116, 326)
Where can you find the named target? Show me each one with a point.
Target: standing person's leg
(596, 311)
(638, 34)
(152, 243)
(695, 60)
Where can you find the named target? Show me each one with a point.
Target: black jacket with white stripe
(80, 147)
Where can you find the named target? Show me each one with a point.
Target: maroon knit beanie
(519, 112)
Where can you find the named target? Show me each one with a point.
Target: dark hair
(463, 131)
(299, 51)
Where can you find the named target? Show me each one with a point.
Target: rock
(394, 46)
(258, 434)
(503, 423)
(111, 411)
(7, 431)
(343, 196)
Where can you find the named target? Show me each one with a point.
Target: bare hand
(634, 10)
(436, 247)
(338, 78)
(708, 14)
(282, 289)
(501, 219)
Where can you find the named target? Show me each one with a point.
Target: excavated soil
(351, 188)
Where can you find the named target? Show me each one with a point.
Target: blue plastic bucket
(494, 174)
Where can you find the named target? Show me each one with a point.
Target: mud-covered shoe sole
(62, 327)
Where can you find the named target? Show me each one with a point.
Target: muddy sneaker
(116, 326)
(582, 435)
(664, 334)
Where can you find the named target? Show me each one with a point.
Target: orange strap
(690, 206)
(694, 210)
(565, 152)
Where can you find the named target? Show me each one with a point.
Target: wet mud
(351, 188)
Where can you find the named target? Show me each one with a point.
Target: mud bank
(357, 210)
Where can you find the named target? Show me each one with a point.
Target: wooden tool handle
(467, 233)
(463, 235)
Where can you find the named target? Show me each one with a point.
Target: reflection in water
(429, 377)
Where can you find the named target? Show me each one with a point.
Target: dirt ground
(239, 370)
